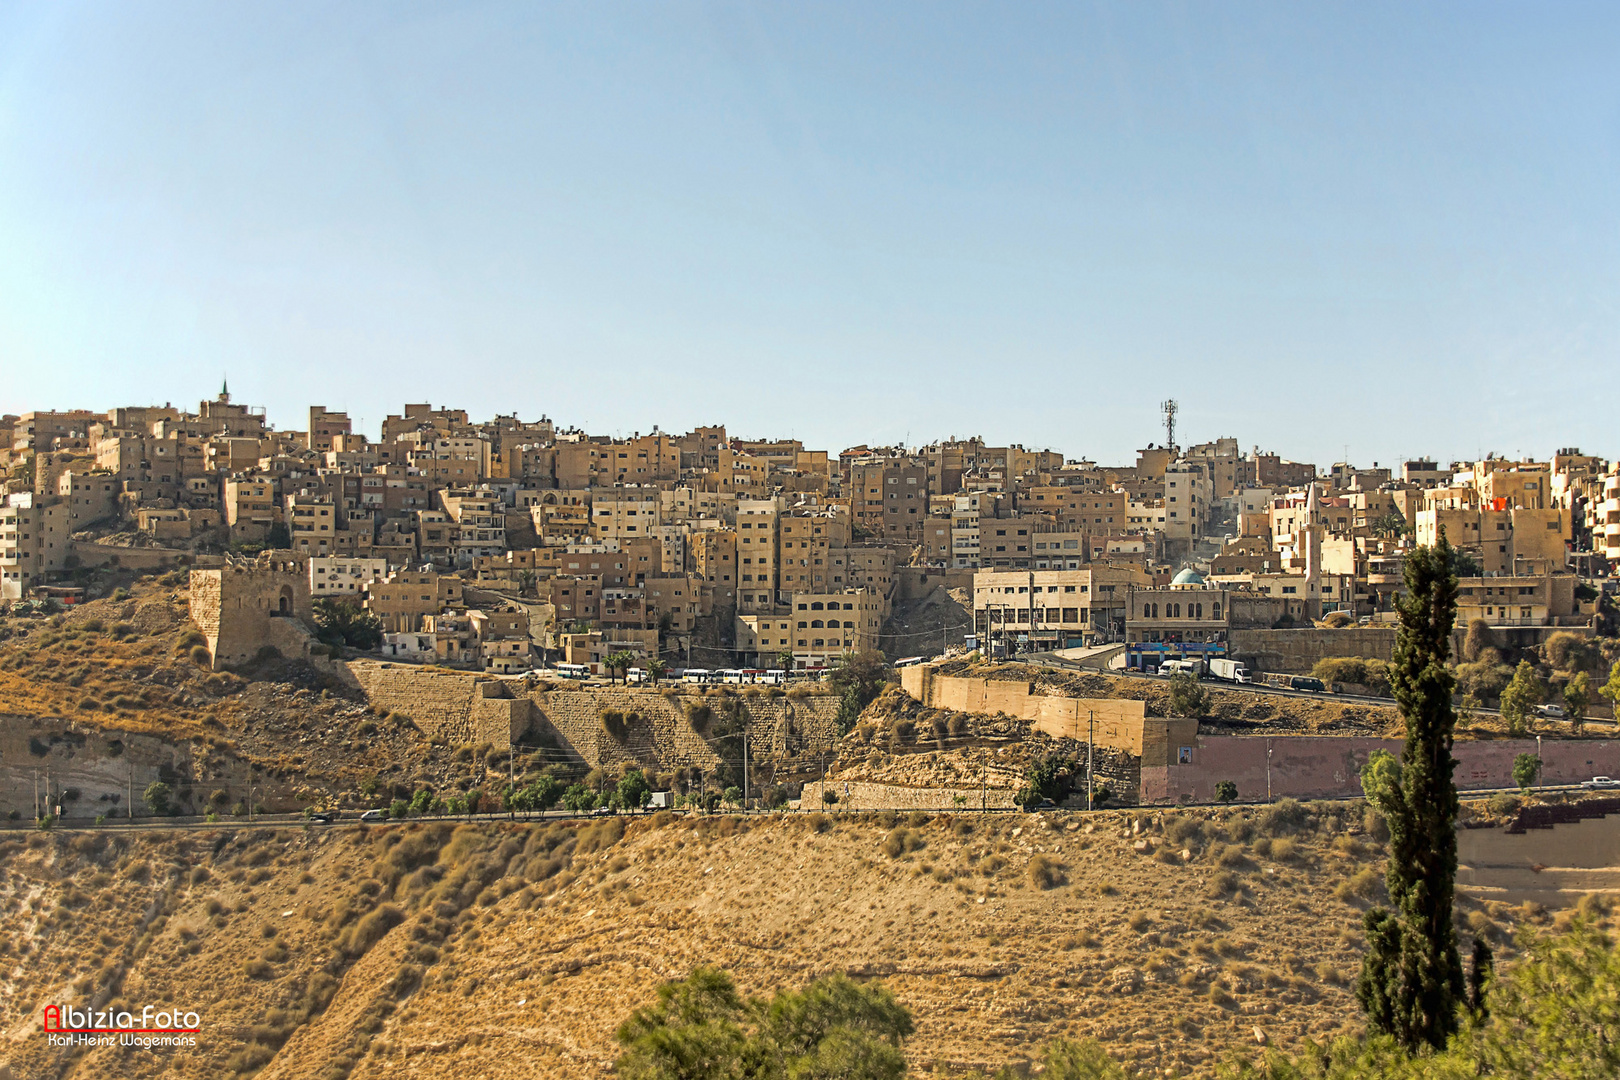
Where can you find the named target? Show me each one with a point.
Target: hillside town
(505, 545)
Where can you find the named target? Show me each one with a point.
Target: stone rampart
(470, 708)
(1295, 652)
(236, 606)
(866, 795)
(1118, 723)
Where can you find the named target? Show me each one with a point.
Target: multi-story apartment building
(403, 599)
(34, 533)
(344, 577)
(1052, 608)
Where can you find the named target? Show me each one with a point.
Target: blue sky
(1387, 227)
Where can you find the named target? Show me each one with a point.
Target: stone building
(244, 607)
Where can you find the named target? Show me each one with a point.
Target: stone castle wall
(469, 708)
(235, 606)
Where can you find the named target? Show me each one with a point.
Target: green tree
(1611, 689)
(343, 622)
(864, 670)
(1187, 696)
(784, 660)
(422, 801)
(1526, 769)
(579, 798)
(279, 537)
(700, 1028)
(1465, 564)
(157, 797)
(399, 809)
(526, 580)
(656, 669)
(633, 789)
(620, 661)
(1520, 698)
(1411, 981)
(1390, 525)
(1048, 777)
(849, 709)
(1076, 1059)
(1226, 791)
(1577, 696)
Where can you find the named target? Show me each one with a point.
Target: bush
(200, 655)
(1046, 872)
(1504, 804)
(1353, 669)
(902, 841)
(1283, 816)
(1226, 791)
(1223, 883)
(257, 969)
(1187, 697)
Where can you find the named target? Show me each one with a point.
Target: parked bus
(699, 675)
(635, 676)
(773, 677)
(732, 675)
(573, 671)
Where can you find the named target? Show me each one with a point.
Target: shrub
(257, 969)
(200, 655)
(1226, 791)
(1046, 872)
(1187, 697)
(902, 841)
(1223, 883)
(1179, 829)
(1283, 816)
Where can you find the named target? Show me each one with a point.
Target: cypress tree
(1411, 982)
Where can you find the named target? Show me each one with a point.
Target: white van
(1180, 667)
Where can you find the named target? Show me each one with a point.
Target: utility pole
(1032, 611)
(250, 793)
(745, 766)
(984, 786)
(36, 794)
(129, 810)
(1091, 755)
(511, 776)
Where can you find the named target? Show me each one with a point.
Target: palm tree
(618, 661)
(526, 580)
(656, 669)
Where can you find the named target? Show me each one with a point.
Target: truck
(1180, 667)
(661, 800)
(1229, 671)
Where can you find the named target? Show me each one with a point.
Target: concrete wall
(1314, 767)
(1590, 844)
(1297, 651)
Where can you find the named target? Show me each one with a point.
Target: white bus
(699, 675)
(635, 676)
(573, 671)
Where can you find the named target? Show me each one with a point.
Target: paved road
(352, 820)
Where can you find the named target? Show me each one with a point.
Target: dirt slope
(514, 950)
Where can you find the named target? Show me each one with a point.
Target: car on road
(323, 817)
(1600, 783)
(604, 811)
(374, 815)
(1551, 712)
(1305, 682)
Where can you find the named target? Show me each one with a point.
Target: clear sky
(1391, 227)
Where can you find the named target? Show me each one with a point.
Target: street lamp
(1268, 770)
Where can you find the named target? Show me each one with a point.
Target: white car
(1600, 783)
(1552, 712)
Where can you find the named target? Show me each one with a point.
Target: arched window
(815, 624)
(816, 606)
(1217, 612)
(1175, 611)
(848, 625)
(819, 643)
(1198, 612)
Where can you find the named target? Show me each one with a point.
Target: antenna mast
(1169, 408)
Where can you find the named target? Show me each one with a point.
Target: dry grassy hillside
(514, 950)
(133, 666)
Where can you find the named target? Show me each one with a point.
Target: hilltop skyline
(1386, 228)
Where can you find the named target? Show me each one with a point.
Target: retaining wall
(865, 795)
(1316, 767)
